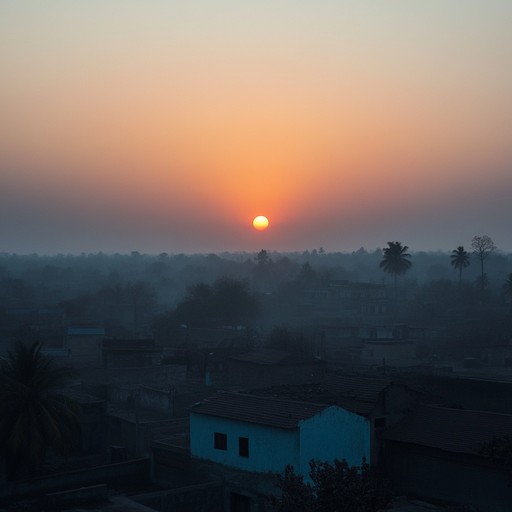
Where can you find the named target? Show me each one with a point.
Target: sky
(169, 125)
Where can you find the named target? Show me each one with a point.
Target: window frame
(243, 447)
(220, 441)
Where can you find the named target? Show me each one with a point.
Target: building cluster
(207, 421)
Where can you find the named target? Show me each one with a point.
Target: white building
(262, 434)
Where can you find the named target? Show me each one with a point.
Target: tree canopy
(396, 259)
(334, 487)
(33, 418)
(460, 260)
(226, 302)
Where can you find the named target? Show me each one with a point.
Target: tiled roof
(268, 356)
(257, 409)
(354, 392)
(452, 430)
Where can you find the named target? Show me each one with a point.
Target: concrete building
(83, 344)
(262, 434)
(435, 453)
(269, 367)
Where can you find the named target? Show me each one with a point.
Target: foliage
(226, 302)
(262, 258)
(33, 418)
(507, 285)
(460, 260)
(395, 259)
(296, 495)
(498, 450)
(334, 487)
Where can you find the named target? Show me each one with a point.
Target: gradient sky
(163, 125)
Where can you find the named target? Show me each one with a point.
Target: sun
(260, 223)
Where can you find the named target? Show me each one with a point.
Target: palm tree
(33, 418)
(395, 260)
(460, 260)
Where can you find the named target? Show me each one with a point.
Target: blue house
(263, 434)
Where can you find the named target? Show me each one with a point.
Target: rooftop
(452, 430)
(355, 392)
(257, 409)
(269, 356)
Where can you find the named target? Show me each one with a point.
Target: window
(220, 441)
(243, 446)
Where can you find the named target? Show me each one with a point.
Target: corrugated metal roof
(452, 430)
(257, 409)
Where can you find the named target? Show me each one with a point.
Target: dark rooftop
(86, 331)
(355, 392)
(269, 356)
(257, 409)
(452, 430)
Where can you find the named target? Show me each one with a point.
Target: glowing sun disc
(260, 223)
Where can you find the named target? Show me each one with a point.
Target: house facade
(261, 434)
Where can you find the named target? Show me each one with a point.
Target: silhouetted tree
(284, 338)
(482, 246)
(142, 300)
(395, 260)
(33, 418)
(507, 286)
(233, 303)
(334, 487)
(262, 258)
(197, 306)
(307, 276)
(499, 452)
(227, 302)
(460, 260)
(296, 496)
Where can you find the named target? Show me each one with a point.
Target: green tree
(334, 487)
(33, 417)
(482, 246)
(395, 260)
(460, 260)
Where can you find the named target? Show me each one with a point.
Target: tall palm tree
(33, 418)
(395, 260)
(460, 259)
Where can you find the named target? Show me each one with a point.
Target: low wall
(207, 497)
(124, 473)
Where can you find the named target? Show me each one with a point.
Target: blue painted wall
(270, 449)
(335, 433)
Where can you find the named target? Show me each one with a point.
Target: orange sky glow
(167, 126)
